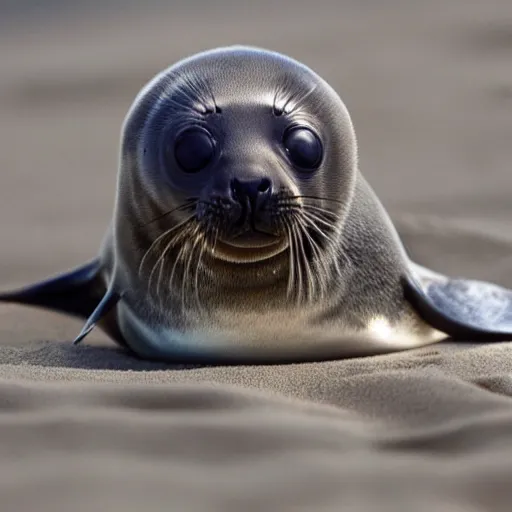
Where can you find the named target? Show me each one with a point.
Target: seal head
(237, 147)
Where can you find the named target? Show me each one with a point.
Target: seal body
(247, 99)
(244, 231)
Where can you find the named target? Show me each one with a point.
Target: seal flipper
(463, 309)
(76, 292)
(109, 300)
(80, 292)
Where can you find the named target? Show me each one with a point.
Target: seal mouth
(250, 247)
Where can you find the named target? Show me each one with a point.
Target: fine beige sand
(429, 87)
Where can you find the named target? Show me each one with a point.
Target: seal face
(244, 231)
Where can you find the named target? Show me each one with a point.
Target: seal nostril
(264, 185)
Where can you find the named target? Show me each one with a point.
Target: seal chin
(250, 247)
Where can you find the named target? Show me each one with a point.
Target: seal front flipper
(463, 309)
(109, 300)
(80, 292)
(76, 292)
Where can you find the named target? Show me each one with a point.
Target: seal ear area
(463, 309)
(80, 292)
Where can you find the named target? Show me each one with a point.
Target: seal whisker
(149, 249)
(181, 107)
(181, 258)
(161, 238)
(318, 198)
(175, 266)
(308, 275)
(320, 211)
(316, 216)
(177, 238)
(196, 90)
(286, 224)
(160, 273)
(292, 277)
(318, 221)
(324, 240)
(334, 245)
(297, 264)
(202, 250)
(210, 237)
(307, 283)
(190, 203)
(317, 260)
(197, 240)
(213, 233)
(161, 262)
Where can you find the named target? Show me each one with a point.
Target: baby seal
(243, 231)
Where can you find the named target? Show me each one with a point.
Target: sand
(429, 88)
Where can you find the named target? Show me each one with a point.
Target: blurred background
(428, 85)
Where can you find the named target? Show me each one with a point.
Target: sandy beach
(429, 89)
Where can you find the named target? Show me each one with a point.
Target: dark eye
(304, 147)
(194, 150)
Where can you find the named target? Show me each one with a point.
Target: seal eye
(194, 149)
(303, 147)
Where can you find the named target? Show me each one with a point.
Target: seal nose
(254, 190)
(251, 195)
